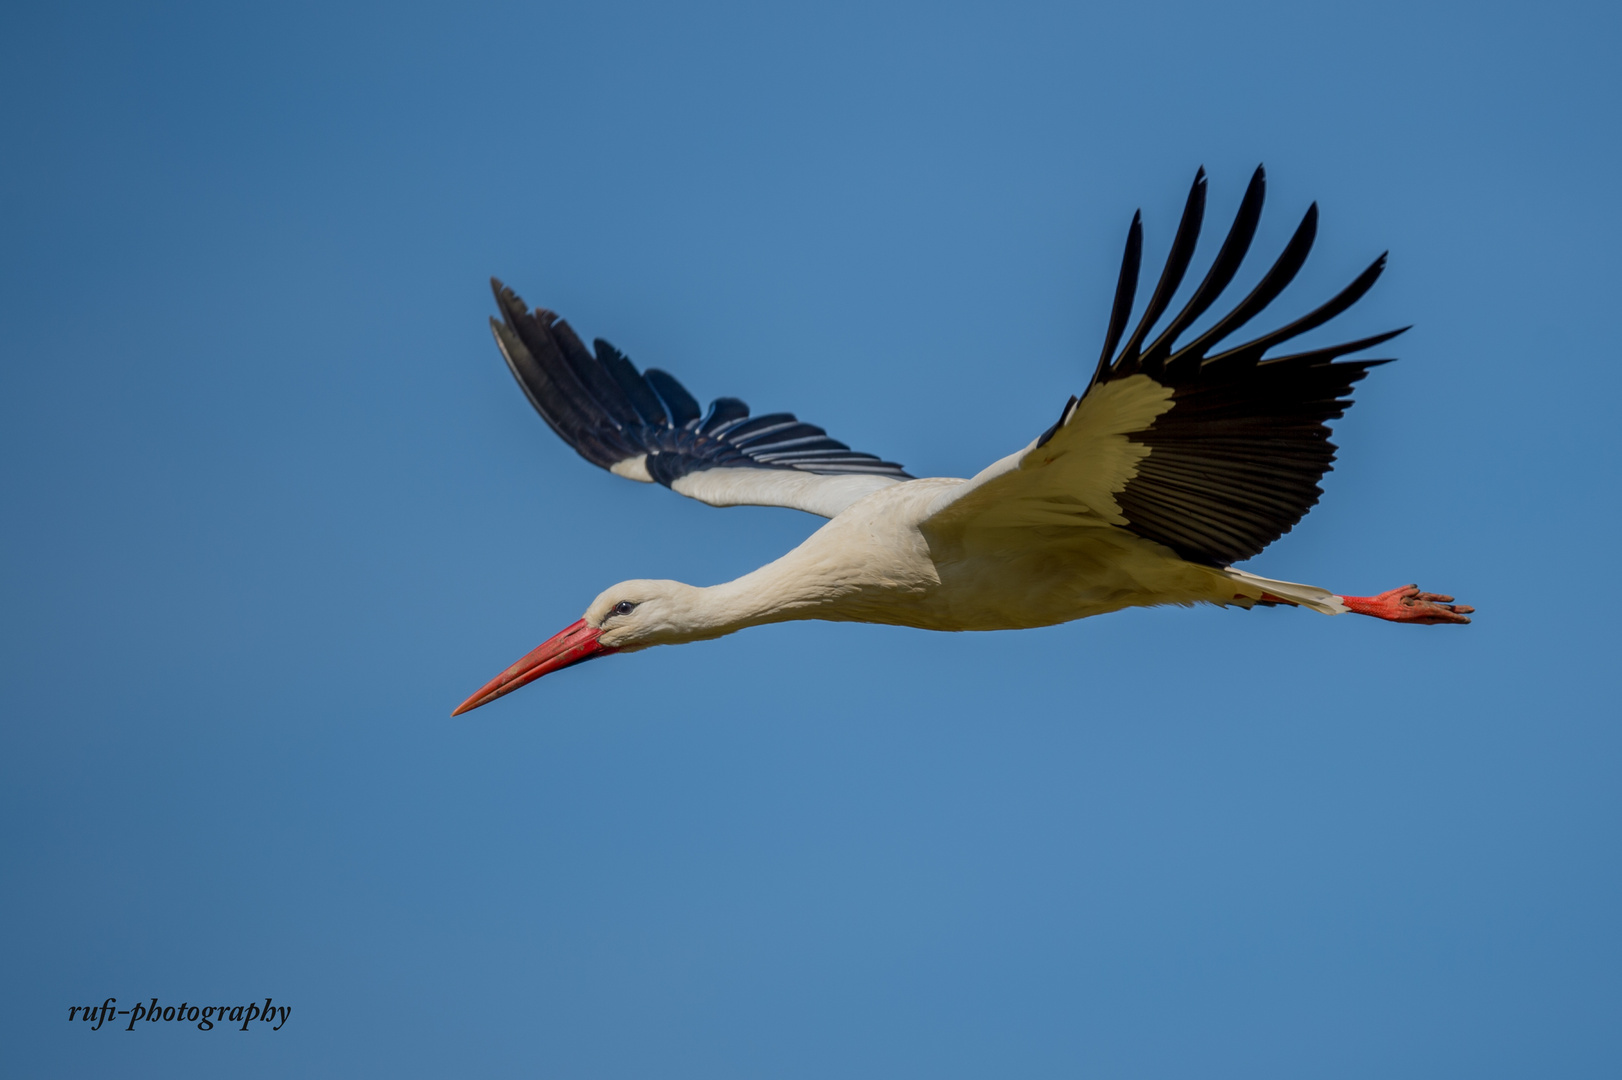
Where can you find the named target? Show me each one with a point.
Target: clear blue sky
(273, 506)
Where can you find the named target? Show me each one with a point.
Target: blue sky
(274, 506)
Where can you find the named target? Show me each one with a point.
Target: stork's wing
(646, 426)
(1214, 454)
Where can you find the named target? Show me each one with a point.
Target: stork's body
(880, 561)
(1174, 464)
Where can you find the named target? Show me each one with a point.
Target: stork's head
(632, 615)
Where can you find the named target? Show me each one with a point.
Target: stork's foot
(1408, 604)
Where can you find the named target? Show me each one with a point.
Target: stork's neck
(793, 587)
(774, 593)
(855, 568)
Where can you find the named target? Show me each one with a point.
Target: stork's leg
(1408, 604)
(1248, 589)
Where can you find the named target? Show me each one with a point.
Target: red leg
(1408, 604)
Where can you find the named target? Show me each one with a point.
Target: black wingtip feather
(1235, 462)
(1223, 268)
(1182, 253)
(1277, 278)
(682, 406)
(1351, 294)
(1126, 287)
(609, 412)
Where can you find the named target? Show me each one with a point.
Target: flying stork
(1177, 461)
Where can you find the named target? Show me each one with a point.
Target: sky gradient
(274, 506)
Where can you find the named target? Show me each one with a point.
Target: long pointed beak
(572, 645)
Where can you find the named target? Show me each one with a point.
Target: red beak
(572, 645)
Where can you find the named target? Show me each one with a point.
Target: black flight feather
(611, 413)
(1126, 287)
(1182, 253)
(1236, 460)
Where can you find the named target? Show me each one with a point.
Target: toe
(1445, 613)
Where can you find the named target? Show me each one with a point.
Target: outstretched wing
(646, 426)
(1213, 454)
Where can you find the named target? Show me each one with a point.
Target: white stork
(1176, 462)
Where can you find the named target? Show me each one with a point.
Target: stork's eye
(624, 607)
